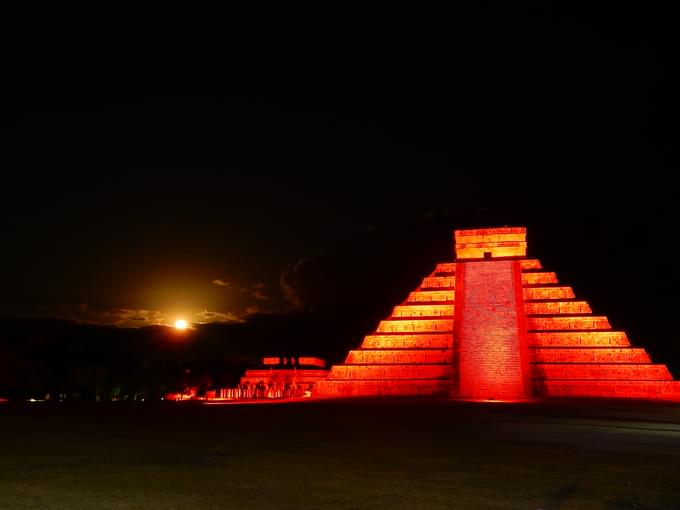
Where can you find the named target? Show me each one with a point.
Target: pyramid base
(646, 390)
(496, 401)
(649, 390)
(354, 388)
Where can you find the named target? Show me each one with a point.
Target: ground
(359, 454)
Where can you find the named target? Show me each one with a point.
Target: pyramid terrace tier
(596, 322)
(589, 355)
(409, 341)
(420, 310)
(431, 296)
(601, 371)
(368, 388)
(445, 268)
(399, 356)
(530, 264)
(547, 293)
(438, 282)
(415, 326)
(578, 339)
(557, 308)
(539, 278)
(389, 372)
(660, 390)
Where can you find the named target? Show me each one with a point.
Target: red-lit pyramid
(494, 326)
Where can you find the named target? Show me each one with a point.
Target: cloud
(221, 283)
(121, 317)
(206, 316)
(139, 318)
(292, 286)
(255, 291)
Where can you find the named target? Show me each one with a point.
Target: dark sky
(157, 172)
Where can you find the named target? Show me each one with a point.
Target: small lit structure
(283, 377)
(189, 393)
(279, 377)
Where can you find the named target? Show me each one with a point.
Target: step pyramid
(493, 325)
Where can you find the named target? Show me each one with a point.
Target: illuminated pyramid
(494, 326)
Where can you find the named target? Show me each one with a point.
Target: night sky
(218, 172)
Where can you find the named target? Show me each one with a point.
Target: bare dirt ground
(360, 454)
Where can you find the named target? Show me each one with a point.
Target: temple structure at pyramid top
(491, 243)
(493, 325)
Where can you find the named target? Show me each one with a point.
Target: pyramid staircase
(495, 326)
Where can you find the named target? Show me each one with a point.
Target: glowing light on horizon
(181, 324)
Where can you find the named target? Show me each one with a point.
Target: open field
(394, 454)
